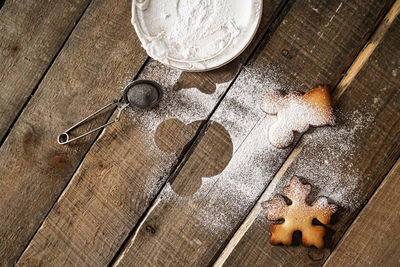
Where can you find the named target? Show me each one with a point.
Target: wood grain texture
(124, 170)
(372, 239)
(102, 52)
(31, 34)
(308, 48)
(374, 93)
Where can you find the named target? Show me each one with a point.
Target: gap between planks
(351, 73)
(373, 200)
(121, 252)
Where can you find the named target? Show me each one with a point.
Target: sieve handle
(64, 138)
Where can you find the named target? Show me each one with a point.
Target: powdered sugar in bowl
(195, 35)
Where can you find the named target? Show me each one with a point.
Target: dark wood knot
(285, 53)
(59, 161)
(150, 229)
(315, 254)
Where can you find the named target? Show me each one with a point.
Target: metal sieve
(141, 94)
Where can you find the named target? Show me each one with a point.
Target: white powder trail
(223, 199)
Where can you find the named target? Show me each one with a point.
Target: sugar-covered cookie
(296, 112)
(298, 216)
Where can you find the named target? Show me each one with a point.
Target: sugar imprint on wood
(209, 158)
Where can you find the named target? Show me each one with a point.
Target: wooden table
(133, 194)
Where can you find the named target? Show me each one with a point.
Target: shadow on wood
(207, 82)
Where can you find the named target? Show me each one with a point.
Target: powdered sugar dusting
(256, 162)
(223, 199)
(239, 111)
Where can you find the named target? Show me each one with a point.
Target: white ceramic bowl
(195, 35)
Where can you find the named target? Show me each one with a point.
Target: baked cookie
(298, 216)
(296, 112)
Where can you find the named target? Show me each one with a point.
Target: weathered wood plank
(102, 52)
(373, 237)
(348, 175)
(31, 35)
(309, 47)
(125, 169)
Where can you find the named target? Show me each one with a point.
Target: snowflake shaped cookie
(298, 216)
(296, 112)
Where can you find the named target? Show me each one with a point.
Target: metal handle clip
(64, 138)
